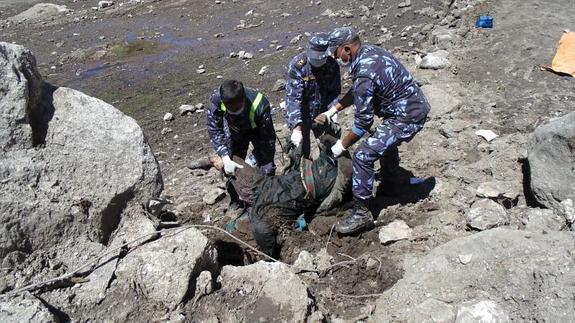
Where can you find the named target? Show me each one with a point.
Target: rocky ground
(436, 254)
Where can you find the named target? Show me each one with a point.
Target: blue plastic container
(484, 22)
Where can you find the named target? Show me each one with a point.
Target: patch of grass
(138, 47)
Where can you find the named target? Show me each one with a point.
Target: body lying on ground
(307, 187)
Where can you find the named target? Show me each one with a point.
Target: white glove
(230, 165)
(331, 112)
(296, 137)
(337, 149)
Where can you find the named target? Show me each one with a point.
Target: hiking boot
(360, 219)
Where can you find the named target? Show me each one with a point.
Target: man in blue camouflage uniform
(313, 85)
(237, 116)
(383, 87)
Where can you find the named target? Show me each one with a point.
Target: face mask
(342, 63)
(317, 62)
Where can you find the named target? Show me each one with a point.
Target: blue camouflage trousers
(381, 145)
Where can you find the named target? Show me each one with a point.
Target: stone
(296, 39)
(168, 116)
(443, 38)
(105, 4)
(187, 109)
(204, 284)
(505, 193)
(435, 60)
(25, 308)
(214, 196)
(442, 103)
(464, 259)
(568, 211)
(395, 231)
(166, 131)
(481, 311)
(271, 285)
(433, 311)
(263, 70)
(543, 220)
(404, 4)
(21, 86)
(505, 263)
(40, 12)
(162, 271)
(551, 156)
(486, 214)
(279, 85)
(89, 164)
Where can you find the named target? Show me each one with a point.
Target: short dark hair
(231, 91)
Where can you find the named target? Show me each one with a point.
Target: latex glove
(230, 165)
(296, 137)
(322, 118)
(337, 149)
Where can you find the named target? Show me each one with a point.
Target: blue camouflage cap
(317, 46)
(339, 37)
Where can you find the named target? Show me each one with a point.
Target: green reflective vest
(253, 109)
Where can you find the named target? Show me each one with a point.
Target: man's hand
(230, 166)
(326, 116)
(296, 136)
(337, 149)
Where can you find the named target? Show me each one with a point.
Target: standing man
(236, 117)
(313, 85)
(383, 87)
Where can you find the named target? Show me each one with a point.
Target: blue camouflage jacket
(382, 86)
(309, 88)
(255, 119)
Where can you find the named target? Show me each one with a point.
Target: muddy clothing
(310, 90)
(383, 87)
(231, 134)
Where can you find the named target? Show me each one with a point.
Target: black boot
(360, 219)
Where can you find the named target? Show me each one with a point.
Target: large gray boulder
(70, 163)
(164, 271)
(551, 159)
(511, 275)
(262, 291)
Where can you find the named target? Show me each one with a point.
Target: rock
(201, 70)
(168, 116)
(465, 259)
(543, 220)
(404, 4)
(263, 70)
(162, 271)
(93, 161)
(481, 311)
(214, 196)
(443, 38)
(105, 4)
(186, 109)
(328, 13)
(551, 156)
(296, 39)
(568, 211)
(486, 214)
(204, 284)
(442, 102)
(506, 264)
(435, 61)
(21, 92)
(432, 311)
(265, 284)
(279, 85)
(505, 193)
(166, 131)
(395, 231)
(40, 12)
(25, 308)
